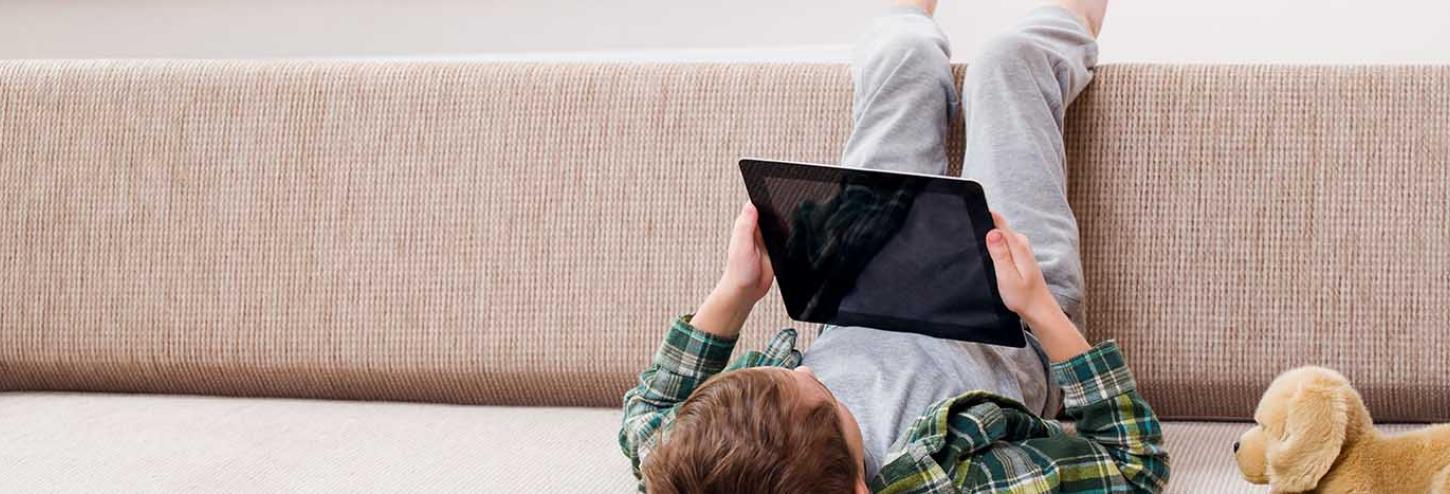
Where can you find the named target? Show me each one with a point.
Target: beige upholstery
(96, 442)
(1203, 461)
(1240, 221)
(520, 234)
(459, 232)
(214, 444)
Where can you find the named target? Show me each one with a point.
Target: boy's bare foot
(1090, 12)
(927, 5)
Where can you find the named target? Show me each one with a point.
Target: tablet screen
(886, 250)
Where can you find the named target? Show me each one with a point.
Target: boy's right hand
(1019, 279)
(1024, 290)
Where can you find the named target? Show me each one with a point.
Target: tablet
(888, 250)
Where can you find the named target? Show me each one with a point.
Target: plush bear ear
(1314, 428)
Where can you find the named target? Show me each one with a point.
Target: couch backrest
(522, 233)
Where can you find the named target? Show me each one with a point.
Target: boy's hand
(1019, 279)
(747, 278)
(747, 266)
(1024, 290)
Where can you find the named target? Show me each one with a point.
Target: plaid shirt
(974, 442)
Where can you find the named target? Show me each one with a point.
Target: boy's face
(815, 392)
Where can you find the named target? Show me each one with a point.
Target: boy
(879, 411)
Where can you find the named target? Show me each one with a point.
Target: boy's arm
(687, 357)
(1119, 439)
(1118, 446)
(697, 347)
(1115, 426)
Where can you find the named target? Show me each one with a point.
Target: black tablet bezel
(1009, 330)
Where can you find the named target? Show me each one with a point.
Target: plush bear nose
(1236, 446)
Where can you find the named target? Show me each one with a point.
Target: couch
(309, 276)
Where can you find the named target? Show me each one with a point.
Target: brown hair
(747, 432)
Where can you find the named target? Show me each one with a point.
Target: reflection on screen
(893, 248)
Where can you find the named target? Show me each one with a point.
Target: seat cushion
(67, 442)
(1202, 456)
(78, 442)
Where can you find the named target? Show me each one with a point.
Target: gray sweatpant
(1013, 100)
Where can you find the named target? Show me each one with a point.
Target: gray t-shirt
(888, 379)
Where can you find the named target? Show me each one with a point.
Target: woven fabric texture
(521, 234)
(98, 442)
(1203, 459)
(1242, 220)
(144, 442)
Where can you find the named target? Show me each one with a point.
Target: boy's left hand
(746, 279)
(748, 273)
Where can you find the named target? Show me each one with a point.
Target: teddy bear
(1314, 434)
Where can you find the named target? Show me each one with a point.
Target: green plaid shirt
(975, 442)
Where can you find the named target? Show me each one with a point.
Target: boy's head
(759, 430)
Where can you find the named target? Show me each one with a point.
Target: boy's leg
(1016, 92)
(905, 96)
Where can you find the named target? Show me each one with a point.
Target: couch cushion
(522, 233)
(103, 442)
(1240, 221)
(63, 442)
(1201, 456)
(1203, 461)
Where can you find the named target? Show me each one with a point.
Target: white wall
(1136, 30)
